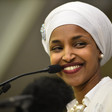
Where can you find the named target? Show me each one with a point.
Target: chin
(73, 83)
(69, 80)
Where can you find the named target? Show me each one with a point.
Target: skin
(70, 45)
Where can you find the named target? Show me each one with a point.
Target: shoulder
(102, 100)
(106, 87)
(108, 83)
(104, 94)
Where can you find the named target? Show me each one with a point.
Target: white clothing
(99, 99)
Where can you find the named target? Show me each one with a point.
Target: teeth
(71, 67)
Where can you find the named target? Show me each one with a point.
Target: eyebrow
(74, 38)
(77, 37)
(55, 41)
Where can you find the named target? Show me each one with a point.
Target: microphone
(54, 68)
(15, 101)
(50, 69)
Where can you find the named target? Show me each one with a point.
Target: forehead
(68, 31)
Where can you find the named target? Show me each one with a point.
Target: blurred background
(21, 50)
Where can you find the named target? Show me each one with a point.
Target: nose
(68, 55)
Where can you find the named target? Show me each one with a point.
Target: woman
(78, 37)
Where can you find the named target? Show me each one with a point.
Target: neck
(82, 90)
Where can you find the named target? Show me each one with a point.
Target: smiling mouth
(72, 69)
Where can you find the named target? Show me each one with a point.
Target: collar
(88, 97)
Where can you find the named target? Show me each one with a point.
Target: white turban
(90, 18)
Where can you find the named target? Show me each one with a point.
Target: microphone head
(54, 68)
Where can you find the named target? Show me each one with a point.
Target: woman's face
(74, 49)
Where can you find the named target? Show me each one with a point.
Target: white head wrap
(86, 16)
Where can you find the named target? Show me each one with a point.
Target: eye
(56, 48)
(80, 44)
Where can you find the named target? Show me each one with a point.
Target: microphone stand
(6, 84)
(16, 77)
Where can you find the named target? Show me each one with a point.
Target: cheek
(92, 59)
(90, 53)
(55, 58)
(86, 55)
